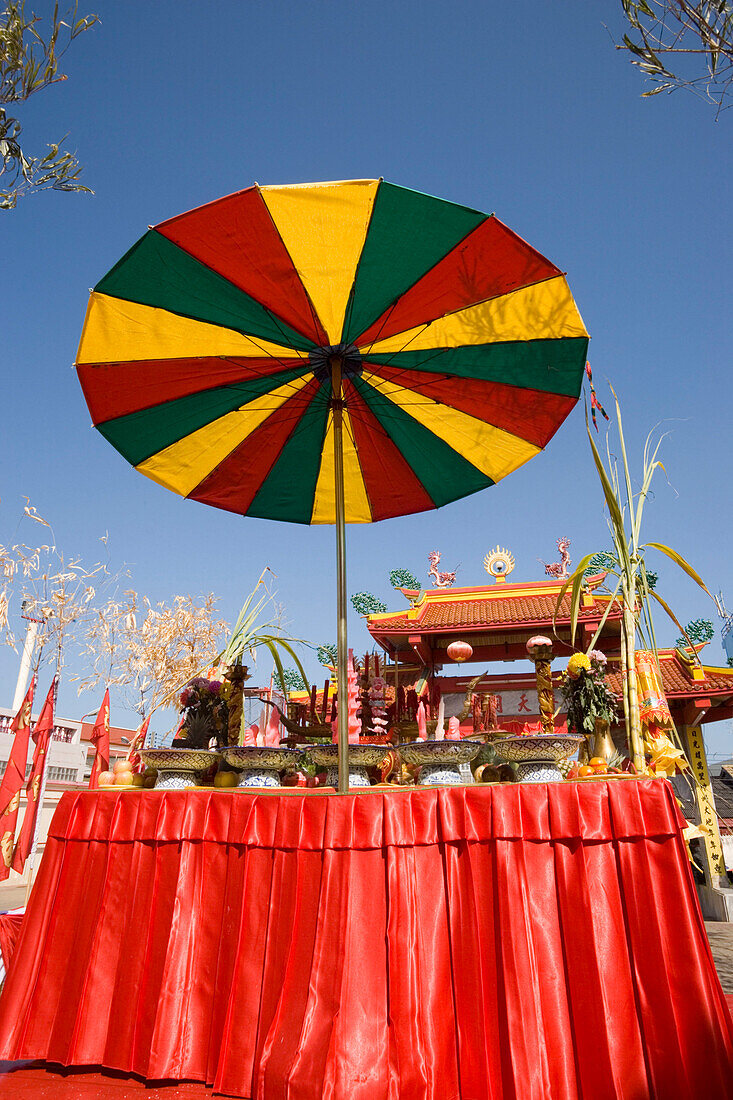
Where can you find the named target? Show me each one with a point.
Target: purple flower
(598, 658)
(215, 687)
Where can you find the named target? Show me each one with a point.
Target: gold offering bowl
(439, 760)
(361, 757)
(537, 755)
(260, 765)
(178, 768)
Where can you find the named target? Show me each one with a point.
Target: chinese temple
(497, 620)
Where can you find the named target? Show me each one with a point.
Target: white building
(70, 758)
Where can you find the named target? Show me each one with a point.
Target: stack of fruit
(598, 768)
(122, 775)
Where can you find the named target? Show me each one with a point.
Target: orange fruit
(106, 779)
(226, 779)
(585, 769)
(597, 762)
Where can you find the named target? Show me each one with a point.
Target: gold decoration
(236, 675)
(602, 742)
(499, 563)
(545, 696)
(540, 651)
(6, 847)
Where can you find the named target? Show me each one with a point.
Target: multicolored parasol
(331, 352)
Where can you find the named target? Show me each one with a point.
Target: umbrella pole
(341, 636)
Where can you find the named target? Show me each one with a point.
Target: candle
(454, 729)
(272, 732)
(422, 722)
(440, 728)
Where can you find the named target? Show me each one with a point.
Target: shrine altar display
(532, 941)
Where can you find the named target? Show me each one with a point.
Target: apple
(106, 779)
(123, 779)
(122, 765)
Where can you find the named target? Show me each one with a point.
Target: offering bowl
(439, 760)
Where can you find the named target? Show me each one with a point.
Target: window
(62, 775)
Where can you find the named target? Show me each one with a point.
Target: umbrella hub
(322, 361)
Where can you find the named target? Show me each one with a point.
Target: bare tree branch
(682, 44)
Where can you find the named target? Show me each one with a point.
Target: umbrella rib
(255, 375)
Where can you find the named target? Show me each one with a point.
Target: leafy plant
(28, 63)
(403, 578)
(696, 631)
(291, 681)
(327, 653)
(364, 603)
(605, 563)
(629, 587)
(586, 694)
(250, 634)
(600, 563)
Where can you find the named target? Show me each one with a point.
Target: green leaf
(576, 580)
(684, 565)
(673, 617)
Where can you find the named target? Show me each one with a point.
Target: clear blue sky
(529, 113)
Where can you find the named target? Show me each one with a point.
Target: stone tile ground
(720, 935)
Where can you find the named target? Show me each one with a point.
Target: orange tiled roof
(483, 612)
(677, 681)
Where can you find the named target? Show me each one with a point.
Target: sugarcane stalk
(637, 751)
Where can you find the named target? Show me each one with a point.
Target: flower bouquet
(204, 713)
(591, 708)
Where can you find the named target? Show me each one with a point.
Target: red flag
(41, 736)
(594, 402)
(138, 742)
(14, 781)
(100, 738)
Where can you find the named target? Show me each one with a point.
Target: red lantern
(459, 652)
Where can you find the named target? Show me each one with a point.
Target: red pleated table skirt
(536, 942)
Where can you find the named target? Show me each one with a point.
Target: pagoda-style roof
(497, 620)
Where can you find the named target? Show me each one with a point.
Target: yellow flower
(577, 663)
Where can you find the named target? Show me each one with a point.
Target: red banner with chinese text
(42, 737)
(653, 707)
(100, 738)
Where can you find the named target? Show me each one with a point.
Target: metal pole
(341, 635)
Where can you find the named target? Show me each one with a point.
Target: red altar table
(536, 942)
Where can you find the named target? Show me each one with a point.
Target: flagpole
(41, 796)
(337, 406)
